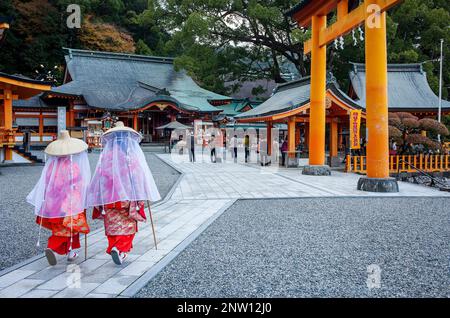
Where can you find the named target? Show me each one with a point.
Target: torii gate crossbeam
(373, 14)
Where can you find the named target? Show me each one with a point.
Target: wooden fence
(399, 163)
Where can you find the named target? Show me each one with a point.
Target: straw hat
(65, 145)
(119, 126)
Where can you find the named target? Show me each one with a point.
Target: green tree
(224, 40)
(414, 30)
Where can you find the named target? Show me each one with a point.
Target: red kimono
(120, 219)
(63, 230)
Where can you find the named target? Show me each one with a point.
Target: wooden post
(318, 86)
(153, 227)
(41, 126)
(269, 138)
(71, 117)
(85, 247)
(297, 135)
(291, 136)
(333, 138)
(135, 121)
(8, 119)
(376, 97)
(306, 135)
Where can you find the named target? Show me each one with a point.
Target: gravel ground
(18, 231)
(316, 248)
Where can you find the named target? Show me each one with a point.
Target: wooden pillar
(8, 119)
(318, 85)
(41, 126)
(135, 121)
(306, 135)
(269, 138)
(70, 116)
(333, 138)
(291, 136)
(297, 135)
(376, 96)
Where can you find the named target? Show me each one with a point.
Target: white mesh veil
(61, 189)
(122, 173)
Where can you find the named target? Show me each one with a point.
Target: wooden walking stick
(153, 227)
(85, 247)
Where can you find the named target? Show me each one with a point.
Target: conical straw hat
(119, 126)
(65, 145)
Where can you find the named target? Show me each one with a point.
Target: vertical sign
(355, 123)
(61, 119)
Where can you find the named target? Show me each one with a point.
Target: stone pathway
(204, 191)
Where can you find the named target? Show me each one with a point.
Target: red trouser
(61, 244)
(124, 243)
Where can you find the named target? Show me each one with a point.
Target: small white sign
(61, 119)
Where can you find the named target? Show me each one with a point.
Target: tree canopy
(216, 41)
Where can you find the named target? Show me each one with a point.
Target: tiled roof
(117, 81)
(408, 87)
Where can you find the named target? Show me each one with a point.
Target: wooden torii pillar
(373, 14)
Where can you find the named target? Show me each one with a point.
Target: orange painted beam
(346, 23)
(342, 9)
(316, 7)
(317, 113)
(22, 89)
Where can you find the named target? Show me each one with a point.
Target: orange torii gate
(373, 14)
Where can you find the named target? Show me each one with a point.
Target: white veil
(122, 173)
(61, 189)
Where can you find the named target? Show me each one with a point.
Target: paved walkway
(203, 193)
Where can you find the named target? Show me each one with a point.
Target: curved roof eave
(330, 86)
(162, 98)
(272, 113)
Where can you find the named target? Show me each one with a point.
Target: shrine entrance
(350, 14)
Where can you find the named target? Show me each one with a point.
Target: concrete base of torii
(378, 185)
(319, 170)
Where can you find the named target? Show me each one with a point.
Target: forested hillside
(216, 41)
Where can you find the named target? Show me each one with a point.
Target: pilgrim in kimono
(59, 197)
(121, 186)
